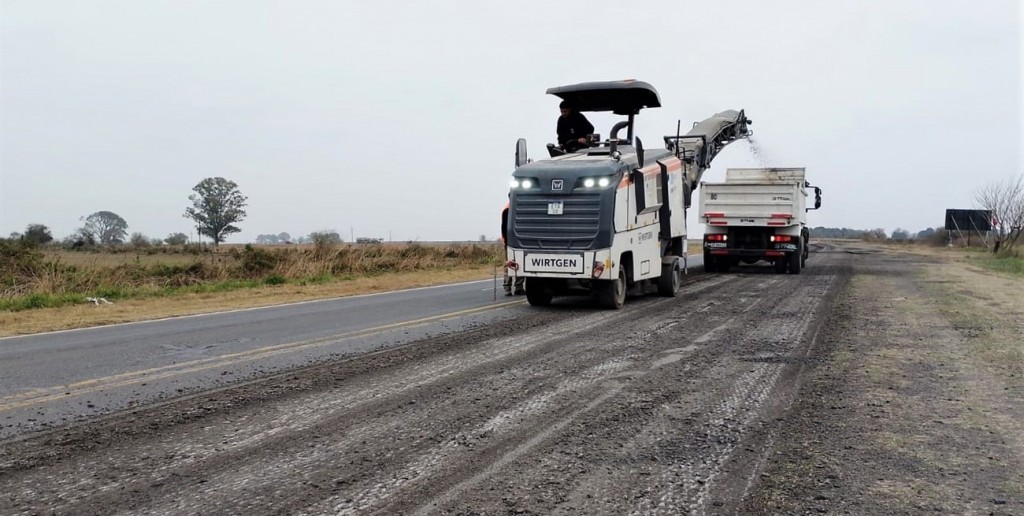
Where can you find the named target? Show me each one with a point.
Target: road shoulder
(911, 402)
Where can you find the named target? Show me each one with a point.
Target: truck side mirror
(639, 153)
(521, 158)
(817, 199)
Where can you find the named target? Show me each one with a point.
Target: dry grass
(33, 280)
(106, 259)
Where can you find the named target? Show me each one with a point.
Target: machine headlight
(595, 182)
(522, 183)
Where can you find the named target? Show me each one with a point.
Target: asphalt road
(667, 406)
(54, 378)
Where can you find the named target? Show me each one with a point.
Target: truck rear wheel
(796, 258)
(781, 264)
(611, 294)
(537, 293)
(668, 282)
(723, 264)
(709, 262)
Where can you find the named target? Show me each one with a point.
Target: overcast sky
(394, 119)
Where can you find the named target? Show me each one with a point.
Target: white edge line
(296, 303)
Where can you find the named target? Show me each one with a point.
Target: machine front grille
(576, 228)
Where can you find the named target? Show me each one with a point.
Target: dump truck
(609, 219)
(757, 214)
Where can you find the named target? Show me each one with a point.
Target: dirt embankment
(913, 400)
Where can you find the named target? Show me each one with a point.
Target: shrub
(255, 262)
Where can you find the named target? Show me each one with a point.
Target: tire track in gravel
(667, 462)
(421, 462)
(727, 422)
(664, 358)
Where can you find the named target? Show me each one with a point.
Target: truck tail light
(780, 238)
(598, 270)
(512, 265)
(717, 238)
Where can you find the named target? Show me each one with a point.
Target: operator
(519, 280)
(573, 128)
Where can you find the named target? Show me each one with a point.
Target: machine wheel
(796, 259)
(611, 294)
(537, 293)
(668, 282)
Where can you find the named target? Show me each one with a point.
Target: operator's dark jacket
(573, 127)
(504, 224)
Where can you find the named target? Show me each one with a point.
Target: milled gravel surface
(667, 406)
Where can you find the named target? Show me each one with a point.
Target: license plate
(555, 208)
(716, 244)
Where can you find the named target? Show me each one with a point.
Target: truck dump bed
(755, 197)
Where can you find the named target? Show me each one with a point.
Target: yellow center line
(47, 394)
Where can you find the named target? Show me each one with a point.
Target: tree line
(217, 206)
(875, 234)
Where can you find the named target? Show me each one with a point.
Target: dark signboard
(969, 220)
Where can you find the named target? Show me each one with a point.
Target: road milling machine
(609, 219)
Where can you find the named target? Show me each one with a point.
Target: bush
(139, 241)
(254, 262)
(176, 239)
(19, 257)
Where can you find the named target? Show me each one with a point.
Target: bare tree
(1005, 199)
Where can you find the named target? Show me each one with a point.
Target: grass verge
(1011, 264)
